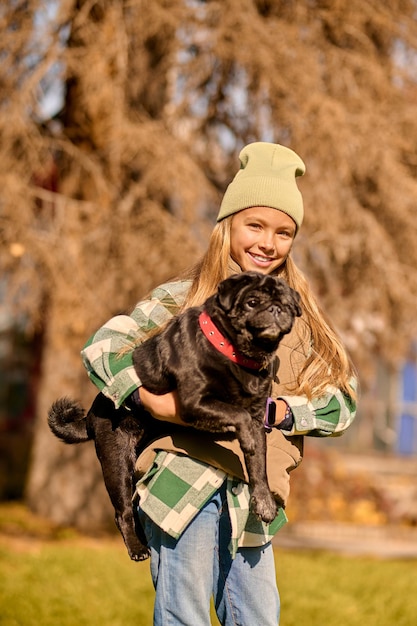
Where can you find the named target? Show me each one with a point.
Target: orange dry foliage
(117, 189)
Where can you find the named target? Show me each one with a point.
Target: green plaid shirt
(107, 356)
(176, 487)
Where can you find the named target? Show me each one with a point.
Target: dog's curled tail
(67, 420)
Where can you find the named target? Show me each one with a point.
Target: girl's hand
(165, 407)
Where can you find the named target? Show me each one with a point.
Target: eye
(252, 303)
(286, 234)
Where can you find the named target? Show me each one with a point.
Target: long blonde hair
(328, 363)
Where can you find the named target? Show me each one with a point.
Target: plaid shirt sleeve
(329, 415)
(107, 355)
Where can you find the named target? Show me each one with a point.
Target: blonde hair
(328, 363)
(213, 267)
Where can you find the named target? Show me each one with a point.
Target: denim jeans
(188, 571)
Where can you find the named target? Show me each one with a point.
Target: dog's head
(255, 311)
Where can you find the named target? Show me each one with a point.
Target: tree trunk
(65, 483)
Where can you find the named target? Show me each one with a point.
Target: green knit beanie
(266, 178)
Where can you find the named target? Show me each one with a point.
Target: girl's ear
(230, 287)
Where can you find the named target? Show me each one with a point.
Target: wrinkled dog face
(260, 309)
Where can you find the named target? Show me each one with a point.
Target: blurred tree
(116, 189)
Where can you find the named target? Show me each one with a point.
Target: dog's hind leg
(117, 435)
(117, 465)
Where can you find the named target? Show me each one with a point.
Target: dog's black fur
(119, 437)
(216, 395)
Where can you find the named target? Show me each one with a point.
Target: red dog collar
(223, 345)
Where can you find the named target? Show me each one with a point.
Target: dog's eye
(252, 303)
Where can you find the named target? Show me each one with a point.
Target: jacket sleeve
(107, 355)
(326, 416)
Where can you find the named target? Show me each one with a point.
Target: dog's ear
(229, 288)
(292, 297)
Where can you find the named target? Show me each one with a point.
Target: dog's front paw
(264, 507)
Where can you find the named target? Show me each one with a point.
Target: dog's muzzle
(270, 325)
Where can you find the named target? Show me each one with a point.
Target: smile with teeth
(260, 259)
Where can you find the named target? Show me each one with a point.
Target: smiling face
(261, 238)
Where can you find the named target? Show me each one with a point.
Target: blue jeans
(188, 571)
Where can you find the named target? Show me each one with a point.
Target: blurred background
(120, 126)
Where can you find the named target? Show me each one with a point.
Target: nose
(275, 309)
(267, 241)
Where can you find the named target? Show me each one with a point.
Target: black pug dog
(218, 357)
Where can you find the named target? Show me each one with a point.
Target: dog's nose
(275, 309)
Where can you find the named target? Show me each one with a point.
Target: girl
(193, 495)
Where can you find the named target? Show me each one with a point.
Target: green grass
(319, 588)
(68, 585)
(51, 578)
